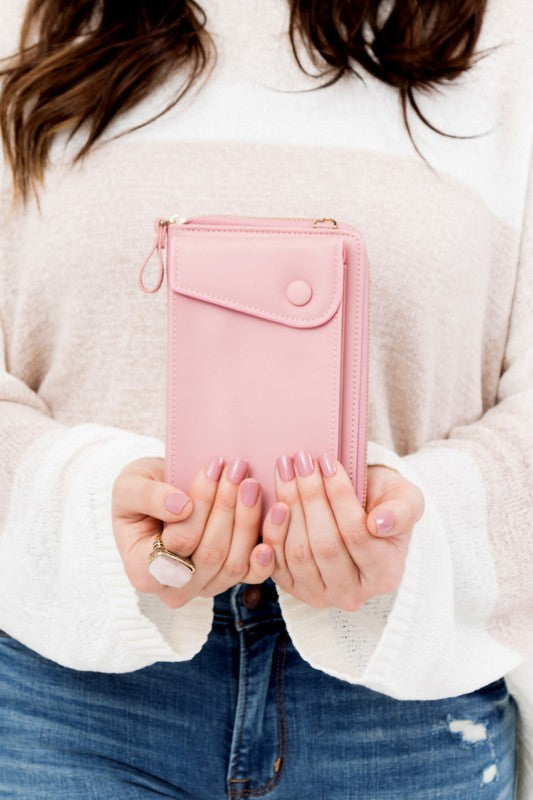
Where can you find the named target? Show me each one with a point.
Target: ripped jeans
(247, 717)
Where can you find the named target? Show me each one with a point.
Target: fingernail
(237, 470)
(304, 463)
(278, 514)
(214, 468)
(285, 466)
(249, 492)
(264, 557)
(169, 573)
(327, 466)
(384, 522)
(176, 502)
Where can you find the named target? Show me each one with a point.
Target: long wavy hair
(83, 63)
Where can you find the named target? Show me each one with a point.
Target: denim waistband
(248, 605)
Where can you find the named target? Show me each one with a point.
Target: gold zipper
(174, 219)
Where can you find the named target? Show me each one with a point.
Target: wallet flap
(293, 278)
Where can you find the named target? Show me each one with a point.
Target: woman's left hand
(329, 552)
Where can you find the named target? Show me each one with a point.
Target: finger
(181, 538)
(184, 537)
(380, 561)
(154, 577)
(275, 529)
(349, 514)
(141, 491)
(306, 578)
(336, 567)
(399, 510)
(215, 543)
(214, 537)
(262, 564)
(243, 540)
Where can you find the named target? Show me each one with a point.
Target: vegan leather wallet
(267, 343)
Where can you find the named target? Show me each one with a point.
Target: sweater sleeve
(63, 589)
(462, 616)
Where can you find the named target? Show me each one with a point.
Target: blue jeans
(247, 717)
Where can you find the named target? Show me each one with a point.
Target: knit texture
(451, 378)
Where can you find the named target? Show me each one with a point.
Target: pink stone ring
(169, 568)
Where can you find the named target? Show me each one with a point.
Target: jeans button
(252, 597)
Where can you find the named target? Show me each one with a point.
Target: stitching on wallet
(355, 382)
(246, 307)
(337, 368)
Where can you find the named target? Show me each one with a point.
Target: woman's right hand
(218, 524)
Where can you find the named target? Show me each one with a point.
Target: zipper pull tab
(160, 240)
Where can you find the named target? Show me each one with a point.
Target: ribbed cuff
(139, 641)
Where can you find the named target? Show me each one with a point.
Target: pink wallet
(267, 343)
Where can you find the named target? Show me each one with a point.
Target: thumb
(397, 515)
(382, 521)
(159, 500)
(138, 492)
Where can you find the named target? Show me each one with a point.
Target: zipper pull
(159, 244)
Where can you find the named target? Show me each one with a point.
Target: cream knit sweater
(451, 378)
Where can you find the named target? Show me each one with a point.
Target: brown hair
(85, 62)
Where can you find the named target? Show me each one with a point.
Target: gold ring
(159, 549)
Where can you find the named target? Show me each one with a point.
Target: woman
(381, 675)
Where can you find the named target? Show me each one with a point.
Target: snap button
(299, 293)
(252, 596)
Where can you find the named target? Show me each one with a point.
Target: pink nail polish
(249, 492)
(169, 573)
(327, 466)
(237, 470)
(285, 466)
(214, 468)
(264, 557)
(304, 463)
(278, 514)
(384, 522)
(176, 502)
